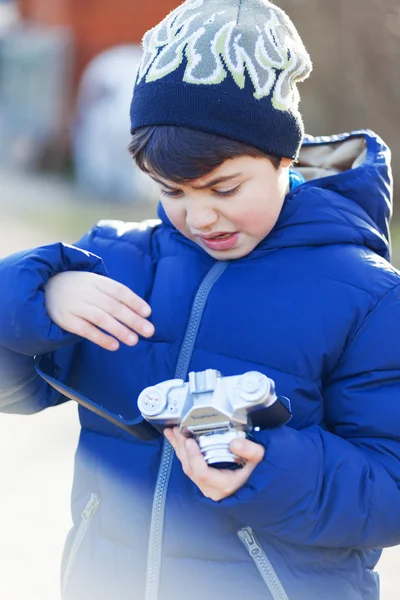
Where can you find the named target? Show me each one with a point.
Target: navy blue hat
(229, 68)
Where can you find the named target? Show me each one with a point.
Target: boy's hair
(181, 154)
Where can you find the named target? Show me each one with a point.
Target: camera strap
(48, 370)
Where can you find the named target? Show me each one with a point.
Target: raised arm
(54, 297)
(25, 326)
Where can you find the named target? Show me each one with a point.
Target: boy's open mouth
(221, 241)
(219, 236)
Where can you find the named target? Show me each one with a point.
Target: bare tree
(355, 48)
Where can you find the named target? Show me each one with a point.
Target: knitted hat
(229, 68)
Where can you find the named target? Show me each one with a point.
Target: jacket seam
(375, 307)
(263, 364)
(360, 289)
(97, 234)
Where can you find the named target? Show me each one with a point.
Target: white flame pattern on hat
(235, 37)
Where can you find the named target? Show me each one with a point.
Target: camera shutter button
(152, 401)
(253, 386)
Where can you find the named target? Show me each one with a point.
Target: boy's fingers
(99, 318)
(90, 332)
(179, 443)
(123, 294)
(175, 439)
(199, 467)
(214, 483)
(124, 314)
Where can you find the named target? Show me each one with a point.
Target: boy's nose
(201, 220)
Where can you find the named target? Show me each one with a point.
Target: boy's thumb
(251, 451)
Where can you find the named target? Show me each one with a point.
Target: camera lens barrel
(215, 448)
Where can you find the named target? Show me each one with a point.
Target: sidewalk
(36, 452)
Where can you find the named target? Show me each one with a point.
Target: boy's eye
(170, 193)
(228, 192)
(221, 193)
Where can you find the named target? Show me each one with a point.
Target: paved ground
(36, 452)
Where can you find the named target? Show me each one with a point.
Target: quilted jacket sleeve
(25, 328)
(338, 488)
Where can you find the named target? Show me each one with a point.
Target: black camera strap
(48, 370)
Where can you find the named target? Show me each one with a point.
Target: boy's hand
(214, 483)
(83, 303)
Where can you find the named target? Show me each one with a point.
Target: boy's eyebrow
(214, 181)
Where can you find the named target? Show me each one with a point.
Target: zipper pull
(247, 536)
(90, 506)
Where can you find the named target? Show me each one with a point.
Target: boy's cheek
(177, 217)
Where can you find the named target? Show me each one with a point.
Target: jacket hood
(346, 197)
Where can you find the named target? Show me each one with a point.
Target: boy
(252, 267)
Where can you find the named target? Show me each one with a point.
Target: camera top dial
(254, 386)
(152, 401)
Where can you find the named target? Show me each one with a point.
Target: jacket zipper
(86, 518)
(161, 489)
(262, 563)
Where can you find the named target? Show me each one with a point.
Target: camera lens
(216, 451)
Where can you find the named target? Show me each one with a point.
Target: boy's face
(230, 210)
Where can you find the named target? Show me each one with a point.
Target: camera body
(214, 410)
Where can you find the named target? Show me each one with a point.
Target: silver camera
(214, 410)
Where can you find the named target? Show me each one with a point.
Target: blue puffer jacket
(316, 307)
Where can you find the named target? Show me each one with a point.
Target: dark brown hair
(181, 154)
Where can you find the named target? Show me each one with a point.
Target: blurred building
(98, 24)
(65, 87)
(35, 91)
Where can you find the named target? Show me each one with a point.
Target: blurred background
(67, 69)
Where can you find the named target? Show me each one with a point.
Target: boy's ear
(286, 162)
